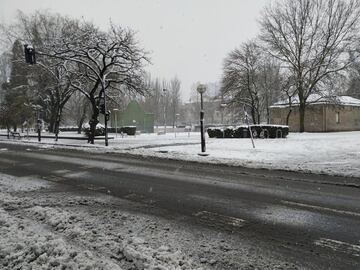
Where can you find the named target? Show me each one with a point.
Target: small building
(322, 114)
(134, 115)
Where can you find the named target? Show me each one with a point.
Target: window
(337, 117)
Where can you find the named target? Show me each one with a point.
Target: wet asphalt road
(311, 220)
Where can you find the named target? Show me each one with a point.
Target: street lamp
(164, 95)
(115, 110)
(201, 90)
(38, 121)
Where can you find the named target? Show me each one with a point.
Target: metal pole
(247, 122)
(39, 127)
(164, 117)
(203, 148)
(251, 136)
(116, 123)
(105, 115)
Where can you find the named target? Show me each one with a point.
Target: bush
(67, 129)
(130, 130)
(258, 131)
(241, 132)
(99, 131)
(228, 132)
(211, 132)
(219, 133)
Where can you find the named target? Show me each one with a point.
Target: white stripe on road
(322, 208)
(339, 246)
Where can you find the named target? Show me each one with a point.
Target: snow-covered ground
(45, 225)
(54, 231)
(325, 153)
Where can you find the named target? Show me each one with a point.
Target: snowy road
(147, 213)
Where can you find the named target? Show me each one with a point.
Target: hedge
(258, 131)
(131, 130)
(99, 131)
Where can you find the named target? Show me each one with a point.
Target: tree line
(77, 64)
(304, 47)
(74, 59)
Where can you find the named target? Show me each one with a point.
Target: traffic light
(29, 54)
(107, 115)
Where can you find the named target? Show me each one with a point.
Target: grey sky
(187, 38)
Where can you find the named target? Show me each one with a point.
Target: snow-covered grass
(325, 153)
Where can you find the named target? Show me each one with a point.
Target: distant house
(134, 115)
(323, 114)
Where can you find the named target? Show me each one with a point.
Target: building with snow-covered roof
(323, 114)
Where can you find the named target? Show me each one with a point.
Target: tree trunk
(93, 122)
(288, 116)
(302, 116)
(57, 123)
(94, 119)
(267, 115)
(80, 123)
(52, 120)
(253, 116)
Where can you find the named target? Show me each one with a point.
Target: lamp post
(164, 96)
(201, 90)
(115, 110)
(39, 126)
(38, 121)
(248, 124)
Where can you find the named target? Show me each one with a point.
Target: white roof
(318, 99)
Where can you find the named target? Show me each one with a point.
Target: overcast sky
(186, 38)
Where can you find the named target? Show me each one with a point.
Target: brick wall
(320, 118)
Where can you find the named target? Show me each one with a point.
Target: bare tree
(54, 92)
(353, 87)
(312, 38)
(77, 110)
(270, 80)
(175, 99)
(110, 61)
(50, 78)
(241, 79)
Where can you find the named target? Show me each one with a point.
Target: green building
(134, 115)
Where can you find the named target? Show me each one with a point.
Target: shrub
(99, 131)
(211, 132)
(130, 130)
(241, 132)
(228, 132)
(66, 129)
(258, 131)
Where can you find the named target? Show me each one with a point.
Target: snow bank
(40, 232)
